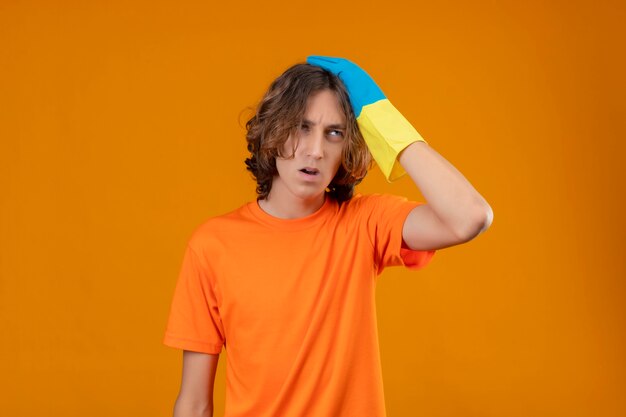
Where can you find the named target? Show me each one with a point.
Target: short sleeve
(385, 220)
(194, 321)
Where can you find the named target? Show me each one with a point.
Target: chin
(309, 194)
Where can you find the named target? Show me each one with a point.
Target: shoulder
(368, 202)
(217, 228)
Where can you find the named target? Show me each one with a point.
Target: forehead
(324, 106)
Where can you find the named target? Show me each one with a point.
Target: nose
(315, 145)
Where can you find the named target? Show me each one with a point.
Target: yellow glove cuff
(386, 132)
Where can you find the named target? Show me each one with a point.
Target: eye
(304, 126)
(335, 133)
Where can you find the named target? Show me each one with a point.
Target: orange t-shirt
(292, 301)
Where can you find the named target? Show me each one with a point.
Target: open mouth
(310, 171)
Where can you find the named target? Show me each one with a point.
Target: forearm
(450, 195)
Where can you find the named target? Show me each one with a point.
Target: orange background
(121, 128)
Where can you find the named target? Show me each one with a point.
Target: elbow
(478, 222)
(185, 408)
(486, 218)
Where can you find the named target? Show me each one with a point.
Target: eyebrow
(331, 126)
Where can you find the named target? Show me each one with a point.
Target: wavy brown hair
(279, 115)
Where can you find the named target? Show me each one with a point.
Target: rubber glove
(384, 128)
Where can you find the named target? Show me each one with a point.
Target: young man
(286, 284)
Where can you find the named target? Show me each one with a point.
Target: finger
(323, 59)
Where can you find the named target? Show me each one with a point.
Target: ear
(341, 176)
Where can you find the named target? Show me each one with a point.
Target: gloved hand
(384, 129)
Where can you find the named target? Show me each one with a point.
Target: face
(320, 141)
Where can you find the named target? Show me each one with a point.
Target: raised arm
(195, 398)
(455, 212)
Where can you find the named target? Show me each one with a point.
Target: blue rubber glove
(385, 130)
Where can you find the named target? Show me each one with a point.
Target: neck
(290, 208)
